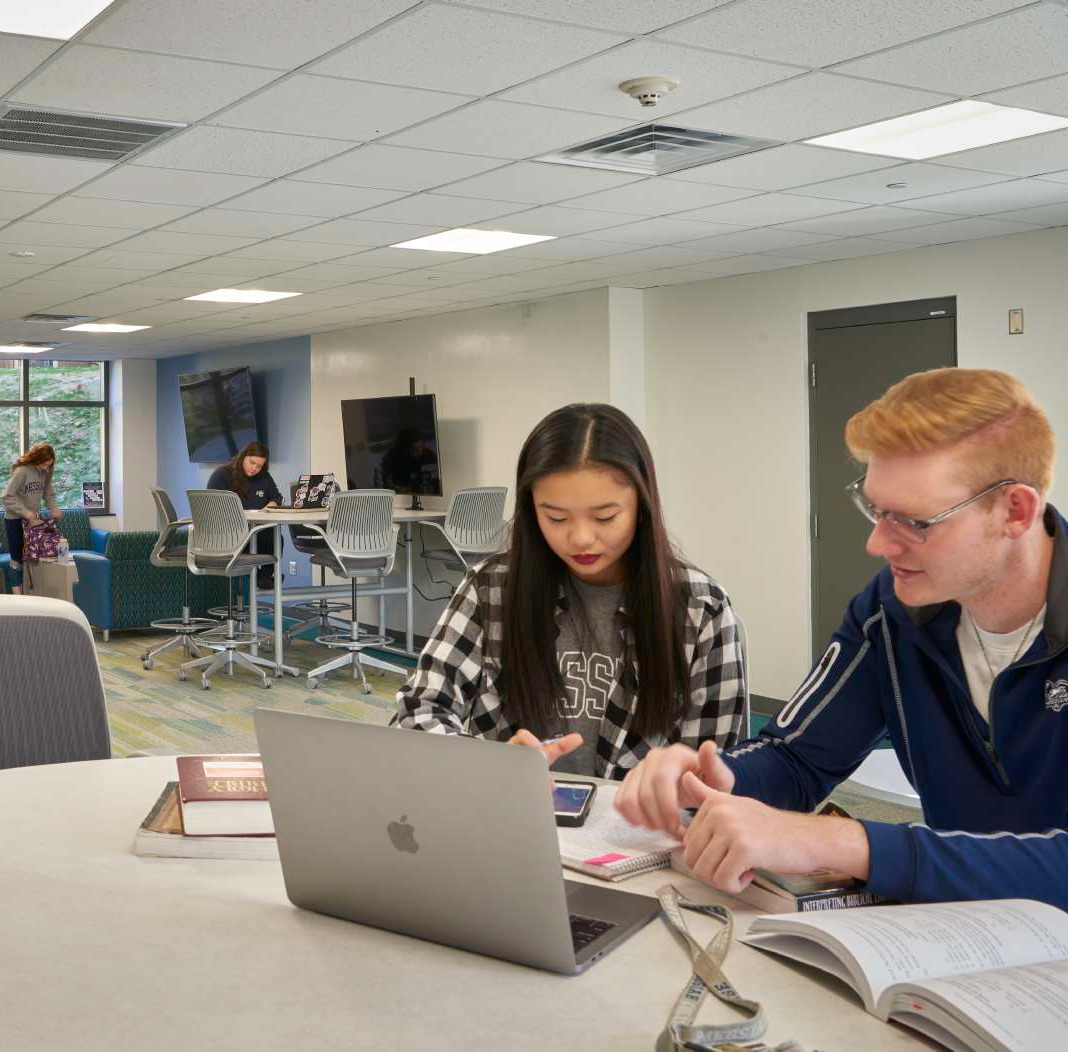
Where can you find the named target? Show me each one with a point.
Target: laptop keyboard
(585, 929)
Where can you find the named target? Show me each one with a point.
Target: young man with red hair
(958, 649)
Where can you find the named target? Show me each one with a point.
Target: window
(66, 405)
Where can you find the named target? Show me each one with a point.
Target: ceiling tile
(337, 274)
(240, 152)
(766, 209)
(1047, 215)
(593, 85)
(230, 222)
(151, 261)
(458, 49)
(956, 230)
(657, 278)
(397, 258)
(35, 173)
(42, 254)
(394, 167)
(1034, 155)
(536, 183)
(762, 240)
(166, 186)
(844, 248)
(1001, 197)
(128, 84)
(782, 167)
(323, 199)
(301, 251)
(490, 264)
(665, 256)
(31, 233)
(901, 183)
(507, 129)
(169, 241)
(89, 273)
(654, 197)
(556, 221)
(15, 203)
(337, 109)
(1046, 96)
(627, 16)
(362, 232)
(21, 55)
(809, 34)
(744, 265)
(110, 213)
(227, 266)
(814, 104)
(275, 33)
(875, 219)
(439, 210)
(662, 231)
(1023, 45)
(12, 270)
(568, 248)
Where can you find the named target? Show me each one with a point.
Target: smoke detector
(648, 90)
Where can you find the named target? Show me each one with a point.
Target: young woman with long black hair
(547, 639)
(248, 476)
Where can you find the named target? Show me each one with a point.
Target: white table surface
(106, 950)
(880, 776)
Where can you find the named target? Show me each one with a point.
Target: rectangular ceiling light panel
(473, 242)
(656, 149)
(242, 296)
(957, 126)
(103, 327)
(24, 130)
(56, 19)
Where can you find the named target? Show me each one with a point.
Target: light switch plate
(1016, 322)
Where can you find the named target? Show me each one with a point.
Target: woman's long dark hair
(568, 439)
(238, 478)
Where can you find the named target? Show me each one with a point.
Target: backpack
(41, 541)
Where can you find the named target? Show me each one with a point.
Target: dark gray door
(854, 356)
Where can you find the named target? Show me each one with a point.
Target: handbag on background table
(41, 541)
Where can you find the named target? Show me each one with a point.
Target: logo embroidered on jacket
(1056, 694)
(260, 493)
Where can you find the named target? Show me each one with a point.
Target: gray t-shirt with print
(589, 650)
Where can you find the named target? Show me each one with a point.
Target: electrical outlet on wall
(292, 567)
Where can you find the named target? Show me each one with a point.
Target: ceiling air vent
(76, 135)
(58, 319)
(657, 149)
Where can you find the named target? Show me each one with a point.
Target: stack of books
(217, 808)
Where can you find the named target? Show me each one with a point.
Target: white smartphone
(571, 802)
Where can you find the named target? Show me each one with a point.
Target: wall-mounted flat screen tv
(219, 413)
(392, 443)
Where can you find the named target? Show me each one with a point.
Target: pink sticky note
(604, 860)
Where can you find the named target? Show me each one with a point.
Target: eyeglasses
(914, 530)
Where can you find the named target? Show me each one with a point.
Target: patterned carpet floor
(153, 712)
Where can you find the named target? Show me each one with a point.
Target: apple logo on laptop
(402, 834)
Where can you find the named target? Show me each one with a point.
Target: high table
(104, 950)
(290, 516)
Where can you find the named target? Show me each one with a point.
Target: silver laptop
(445, 838)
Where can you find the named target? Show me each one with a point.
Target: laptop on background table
(440, 837)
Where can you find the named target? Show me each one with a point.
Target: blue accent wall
(281, 387)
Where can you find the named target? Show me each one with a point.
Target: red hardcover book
(224, 795)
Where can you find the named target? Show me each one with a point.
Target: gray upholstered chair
(169, 551)
(474, 527)
(217, 538)
(53, 708)
(361, 542)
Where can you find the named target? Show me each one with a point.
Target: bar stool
(168, 555)
(361, 542)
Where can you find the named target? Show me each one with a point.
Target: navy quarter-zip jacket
(994, 796)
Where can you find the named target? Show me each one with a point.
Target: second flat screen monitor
(392, 443)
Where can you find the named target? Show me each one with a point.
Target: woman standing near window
(590, 627)
(248, 477)
(30, 483)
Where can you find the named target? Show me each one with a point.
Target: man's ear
(1022, 506)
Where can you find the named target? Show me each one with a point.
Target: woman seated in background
(248, 477)
(30, 483)
(546, 640)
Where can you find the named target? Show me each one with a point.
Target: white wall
(727, 404)
(495, 371)
(133, 445)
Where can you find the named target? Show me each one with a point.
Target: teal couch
(117, 585)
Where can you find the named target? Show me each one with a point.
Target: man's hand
(553, 749)
(731, 836)
(653, 792)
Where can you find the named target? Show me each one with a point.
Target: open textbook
(986, 976)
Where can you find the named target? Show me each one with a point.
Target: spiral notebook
(608, 847)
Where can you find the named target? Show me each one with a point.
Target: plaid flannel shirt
(454, 688)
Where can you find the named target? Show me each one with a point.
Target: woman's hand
(271, 504)
(33, 519)
(553, 748)
(56, 513)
